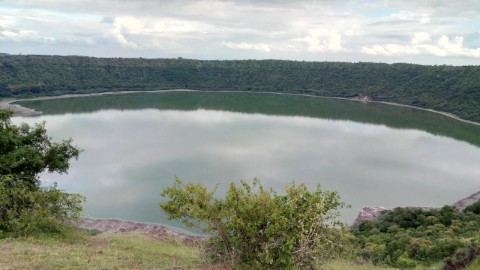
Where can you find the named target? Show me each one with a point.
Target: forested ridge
(450, 89)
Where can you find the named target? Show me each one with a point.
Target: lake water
(374, 155)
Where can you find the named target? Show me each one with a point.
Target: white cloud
(216, 29)
(420, 37)
(159, 26)
(408, 16)
(418, 45)
(24, 36)
(458, 9)
(248, 46)
(116, 35)
(319, 41)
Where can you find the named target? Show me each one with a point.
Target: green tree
(473, 208)
(260, 229)
(405, 237)
(25, 206)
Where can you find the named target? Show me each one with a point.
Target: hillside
(445, 88)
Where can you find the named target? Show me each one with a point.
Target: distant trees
(407, 237)
(473, 208)
(259, 229)
(25, 206)
(446, 88)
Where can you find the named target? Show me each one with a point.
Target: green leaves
(445, 88)
(405, 237)
(25, 207)
(29, 151)
(258, 228)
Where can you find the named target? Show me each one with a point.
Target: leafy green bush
(260, 229)
(27, 211)
(462, 258)
(473, 208)
(406, 237)
(25, 206)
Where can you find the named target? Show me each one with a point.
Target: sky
(409, 31)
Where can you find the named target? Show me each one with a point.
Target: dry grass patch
(102, 251)
(349, 265)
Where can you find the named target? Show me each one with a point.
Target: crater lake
(134, 145)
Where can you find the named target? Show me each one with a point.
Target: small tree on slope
(260, 229)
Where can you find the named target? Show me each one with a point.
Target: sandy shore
(17, 109)
(122, 226)
(22, 111)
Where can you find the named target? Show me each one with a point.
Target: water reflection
(269, 104)
(130, 156)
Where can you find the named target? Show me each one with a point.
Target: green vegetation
(362, 265)
(25, 206)
(445, 88)
(76, 249)
(257, 229)
(253, 228)
(473, 208)
(407, 237)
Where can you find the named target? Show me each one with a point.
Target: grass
(348, 265)
(79, 250)
(475, 265)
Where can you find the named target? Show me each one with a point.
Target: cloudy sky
(412, 31)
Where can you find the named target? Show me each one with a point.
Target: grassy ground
(346, 265)
(475, 265)
(78, 249)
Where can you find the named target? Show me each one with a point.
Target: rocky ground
(119, 226)
(372, 213)
(17, 109)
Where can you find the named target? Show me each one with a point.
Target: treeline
(408, 237)
(445, 88)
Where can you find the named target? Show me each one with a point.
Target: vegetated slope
(446, 88)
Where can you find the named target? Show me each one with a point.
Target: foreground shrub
(462, 259)
(25, 206)
(25, 211)
(260, 229)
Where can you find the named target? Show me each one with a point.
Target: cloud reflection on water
(130, 156)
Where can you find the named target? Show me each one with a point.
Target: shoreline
(17, 109)
(370, 213)
(112, 225)
(23, 111)
(119, 226)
